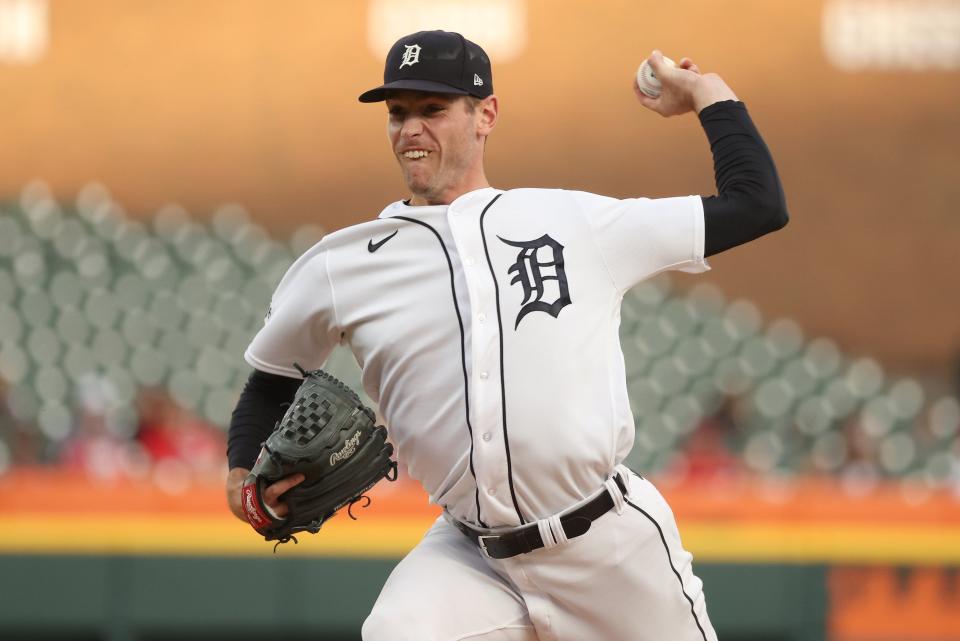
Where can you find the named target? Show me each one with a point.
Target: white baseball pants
(627, 579)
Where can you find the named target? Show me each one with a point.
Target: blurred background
(162, 164)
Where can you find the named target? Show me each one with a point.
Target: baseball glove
(331, 438)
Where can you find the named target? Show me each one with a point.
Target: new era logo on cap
(435, 61)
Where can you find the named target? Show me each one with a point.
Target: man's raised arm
(750, 200)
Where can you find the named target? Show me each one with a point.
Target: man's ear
(487, 112)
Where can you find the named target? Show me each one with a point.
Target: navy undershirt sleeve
(262, 403)
(750, 200)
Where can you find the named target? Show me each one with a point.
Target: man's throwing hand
(683, 88)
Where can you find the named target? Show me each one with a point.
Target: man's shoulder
(353, 234)
(555, 201)
(552, 194)
(536, 192)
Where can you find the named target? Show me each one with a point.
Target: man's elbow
(779, 217)
(762, 210)
(772, 212)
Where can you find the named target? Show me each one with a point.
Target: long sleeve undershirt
(750, 201)
(262, 403)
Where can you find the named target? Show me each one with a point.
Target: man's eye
(433, 109)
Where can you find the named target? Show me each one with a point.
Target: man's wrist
(235, 479)
(710, 90)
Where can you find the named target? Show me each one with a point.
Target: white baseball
(647, 79)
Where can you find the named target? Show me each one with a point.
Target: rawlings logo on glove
(331, 438)
(251, 508)
(348, 449)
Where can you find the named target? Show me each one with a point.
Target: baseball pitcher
(486, 325)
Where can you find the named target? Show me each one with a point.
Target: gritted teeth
(416, 153)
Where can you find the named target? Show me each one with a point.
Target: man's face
(437, 139)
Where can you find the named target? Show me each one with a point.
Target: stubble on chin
(421, 186)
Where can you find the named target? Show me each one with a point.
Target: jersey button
(492, 491)
(481, 317)
(469, 262)
(487, 436)
(484, 375)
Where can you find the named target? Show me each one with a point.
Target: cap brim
(380, 93)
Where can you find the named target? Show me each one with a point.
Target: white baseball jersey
(488, 332)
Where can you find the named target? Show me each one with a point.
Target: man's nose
(412, 126)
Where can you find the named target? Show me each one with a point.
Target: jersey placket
(490, 464)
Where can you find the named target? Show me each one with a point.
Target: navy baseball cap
(435, 61)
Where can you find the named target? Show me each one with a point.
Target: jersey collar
(400, 208)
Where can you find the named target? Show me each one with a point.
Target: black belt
(527, 538)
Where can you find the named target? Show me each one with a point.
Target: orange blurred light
(499, 26)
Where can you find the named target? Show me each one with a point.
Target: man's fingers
(636, 90)
(689, 65)
(656, 61)
(653, 104)
(272, 493)
(666, 71)
(645, 100)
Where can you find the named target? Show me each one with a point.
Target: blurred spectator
(176, 442)
(860, 473)
(166, 443)
(710, 449)
(97, 446)
(19, 443)
(956, 381)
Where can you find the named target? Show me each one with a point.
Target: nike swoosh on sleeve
(372, 246)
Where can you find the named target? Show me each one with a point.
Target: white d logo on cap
(411, 56)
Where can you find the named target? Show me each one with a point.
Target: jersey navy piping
(463, 357)
(503, 389)
(670, 561)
